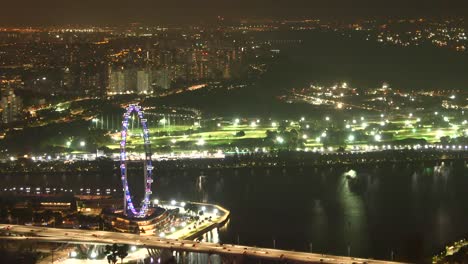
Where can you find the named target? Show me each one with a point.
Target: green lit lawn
(221, 136)
(226, 134)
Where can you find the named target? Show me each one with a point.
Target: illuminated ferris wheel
(129, 208)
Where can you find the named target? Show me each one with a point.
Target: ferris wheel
(129, 207)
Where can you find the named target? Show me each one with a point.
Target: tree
(282, 127)
(293, 137)
(240, 134)
(122, 252)
(112, 259)
(271, 134)
(445, 140)
(191, 208)
(112, 253)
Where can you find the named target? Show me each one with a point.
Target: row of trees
(116, 251)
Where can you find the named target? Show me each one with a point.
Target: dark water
(412, 210)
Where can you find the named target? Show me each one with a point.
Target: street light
(82, 143)
(439, 133)
(68, 144)
(378, 137)
(201, 142)
(351, 137)
(279, 139)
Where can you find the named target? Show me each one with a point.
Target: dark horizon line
(233, 20)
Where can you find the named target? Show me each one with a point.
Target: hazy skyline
(29, 12)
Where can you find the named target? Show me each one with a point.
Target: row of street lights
(82, 143)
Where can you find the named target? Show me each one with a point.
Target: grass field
(187, 138)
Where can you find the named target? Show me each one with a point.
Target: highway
(42, 234)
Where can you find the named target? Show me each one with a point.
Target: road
(42, 234)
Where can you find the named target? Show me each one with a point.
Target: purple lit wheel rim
(148, 163)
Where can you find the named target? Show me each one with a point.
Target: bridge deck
(43, 234)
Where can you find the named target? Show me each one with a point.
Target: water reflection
(410, 209)
(355, 226)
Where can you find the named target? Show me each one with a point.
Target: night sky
(41, 12)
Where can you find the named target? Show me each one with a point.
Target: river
(408, 211)
(405, 211)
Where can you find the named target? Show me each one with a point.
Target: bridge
(231, 253)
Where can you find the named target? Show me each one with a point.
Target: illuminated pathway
(41, 234)
(217, 214)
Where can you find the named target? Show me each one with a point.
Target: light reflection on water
(192, 258)
(412, 209)
(406, 210)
